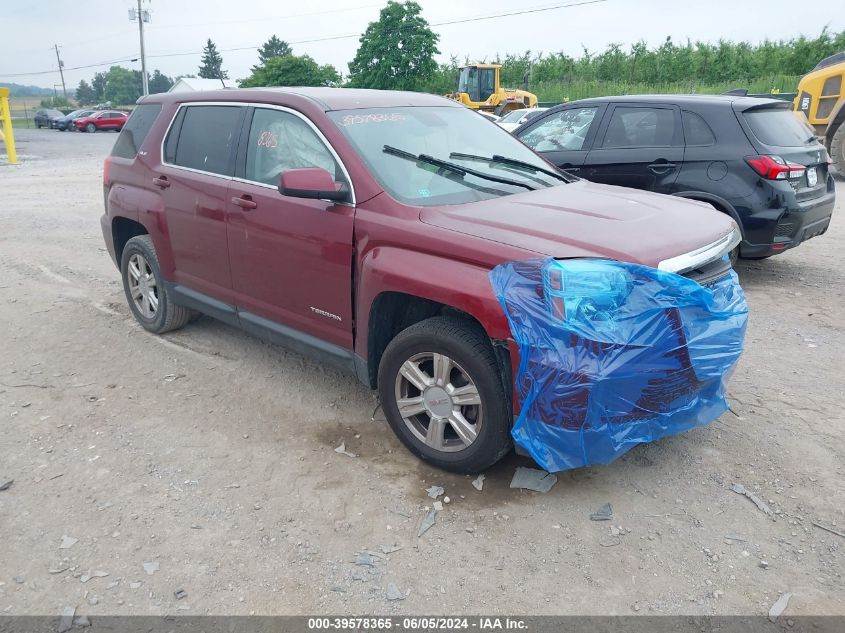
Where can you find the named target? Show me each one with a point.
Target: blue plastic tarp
(615, 354)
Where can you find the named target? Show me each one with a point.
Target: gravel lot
(210, 455)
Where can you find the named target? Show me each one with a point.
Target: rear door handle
(245, 202)
(162, 182)
(660, 168)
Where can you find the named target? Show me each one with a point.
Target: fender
(461, 285)
(147, 209)
(720, 203)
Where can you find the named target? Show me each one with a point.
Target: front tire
(148, 298)
(90, 128)
(442, 394)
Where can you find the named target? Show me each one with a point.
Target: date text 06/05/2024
(423, 623)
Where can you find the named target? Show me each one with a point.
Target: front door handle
(661, 168)
(161, 182)
(245, 202)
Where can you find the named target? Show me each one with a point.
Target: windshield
(513, 116)
(438, 132)
(780, 127)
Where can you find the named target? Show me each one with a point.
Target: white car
(515, 118)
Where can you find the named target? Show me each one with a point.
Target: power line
(49, 72)
(271, 18)
(445, 23)
(479, 18)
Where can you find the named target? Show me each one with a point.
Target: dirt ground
(209, 456)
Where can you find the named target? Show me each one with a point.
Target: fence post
(6, 126)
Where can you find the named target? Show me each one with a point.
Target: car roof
(740, 102)
(325, 98)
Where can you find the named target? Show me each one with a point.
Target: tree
(212, 63)
(85, 94)
(55, 102)
(397, 52)
(159, 82)
(291, 70)
(123, 86)
(99, 86)
(274, 47)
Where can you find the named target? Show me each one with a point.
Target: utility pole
(144, 83)
(61, 72)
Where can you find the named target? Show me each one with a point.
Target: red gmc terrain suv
(360, 227)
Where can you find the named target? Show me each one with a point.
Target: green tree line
(398, 51)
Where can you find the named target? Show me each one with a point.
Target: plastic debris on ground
(393, 592)
(342, 450)
(779, 607)
(613, 354)
(66, 619)
(478, 482)
(604, 513)
(435, 491)
(427, 522)
(742, 490)
(533, 479)
(67, 542)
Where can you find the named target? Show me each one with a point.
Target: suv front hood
(584, 219)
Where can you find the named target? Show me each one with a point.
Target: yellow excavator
(479, 89)
(821, 97)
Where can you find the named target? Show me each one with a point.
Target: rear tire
(143, 283)
(462, 407)
(837, 152)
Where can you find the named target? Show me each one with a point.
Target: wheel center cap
(438, 402)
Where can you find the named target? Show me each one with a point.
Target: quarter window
(696, 130)
(207, 137)
(640, 127)
(279, 141)
(135, 130)
(564, 131)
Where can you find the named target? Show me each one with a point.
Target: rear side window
(135, 130)
(206, 138)
(640, 127)
(780, 127)
(696, 130)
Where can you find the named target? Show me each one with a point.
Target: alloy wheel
(439, 402)
(143, 287)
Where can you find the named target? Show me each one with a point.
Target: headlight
(589, 288)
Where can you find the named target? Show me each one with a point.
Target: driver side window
(564, 131)
(279, 141)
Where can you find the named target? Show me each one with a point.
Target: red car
(360, 227)
(102, 120)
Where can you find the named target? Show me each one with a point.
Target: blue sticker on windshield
(423, 193)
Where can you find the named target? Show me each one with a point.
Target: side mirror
(312, 182)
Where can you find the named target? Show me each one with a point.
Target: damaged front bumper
(615, 354)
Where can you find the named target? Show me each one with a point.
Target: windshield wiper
(452, 167)
(513, 162)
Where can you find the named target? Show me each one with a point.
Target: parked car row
(90, 120)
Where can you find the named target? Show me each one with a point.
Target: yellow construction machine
(821, 97)
(479, 89)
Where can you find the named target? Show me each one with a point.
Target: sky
(99, 31)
